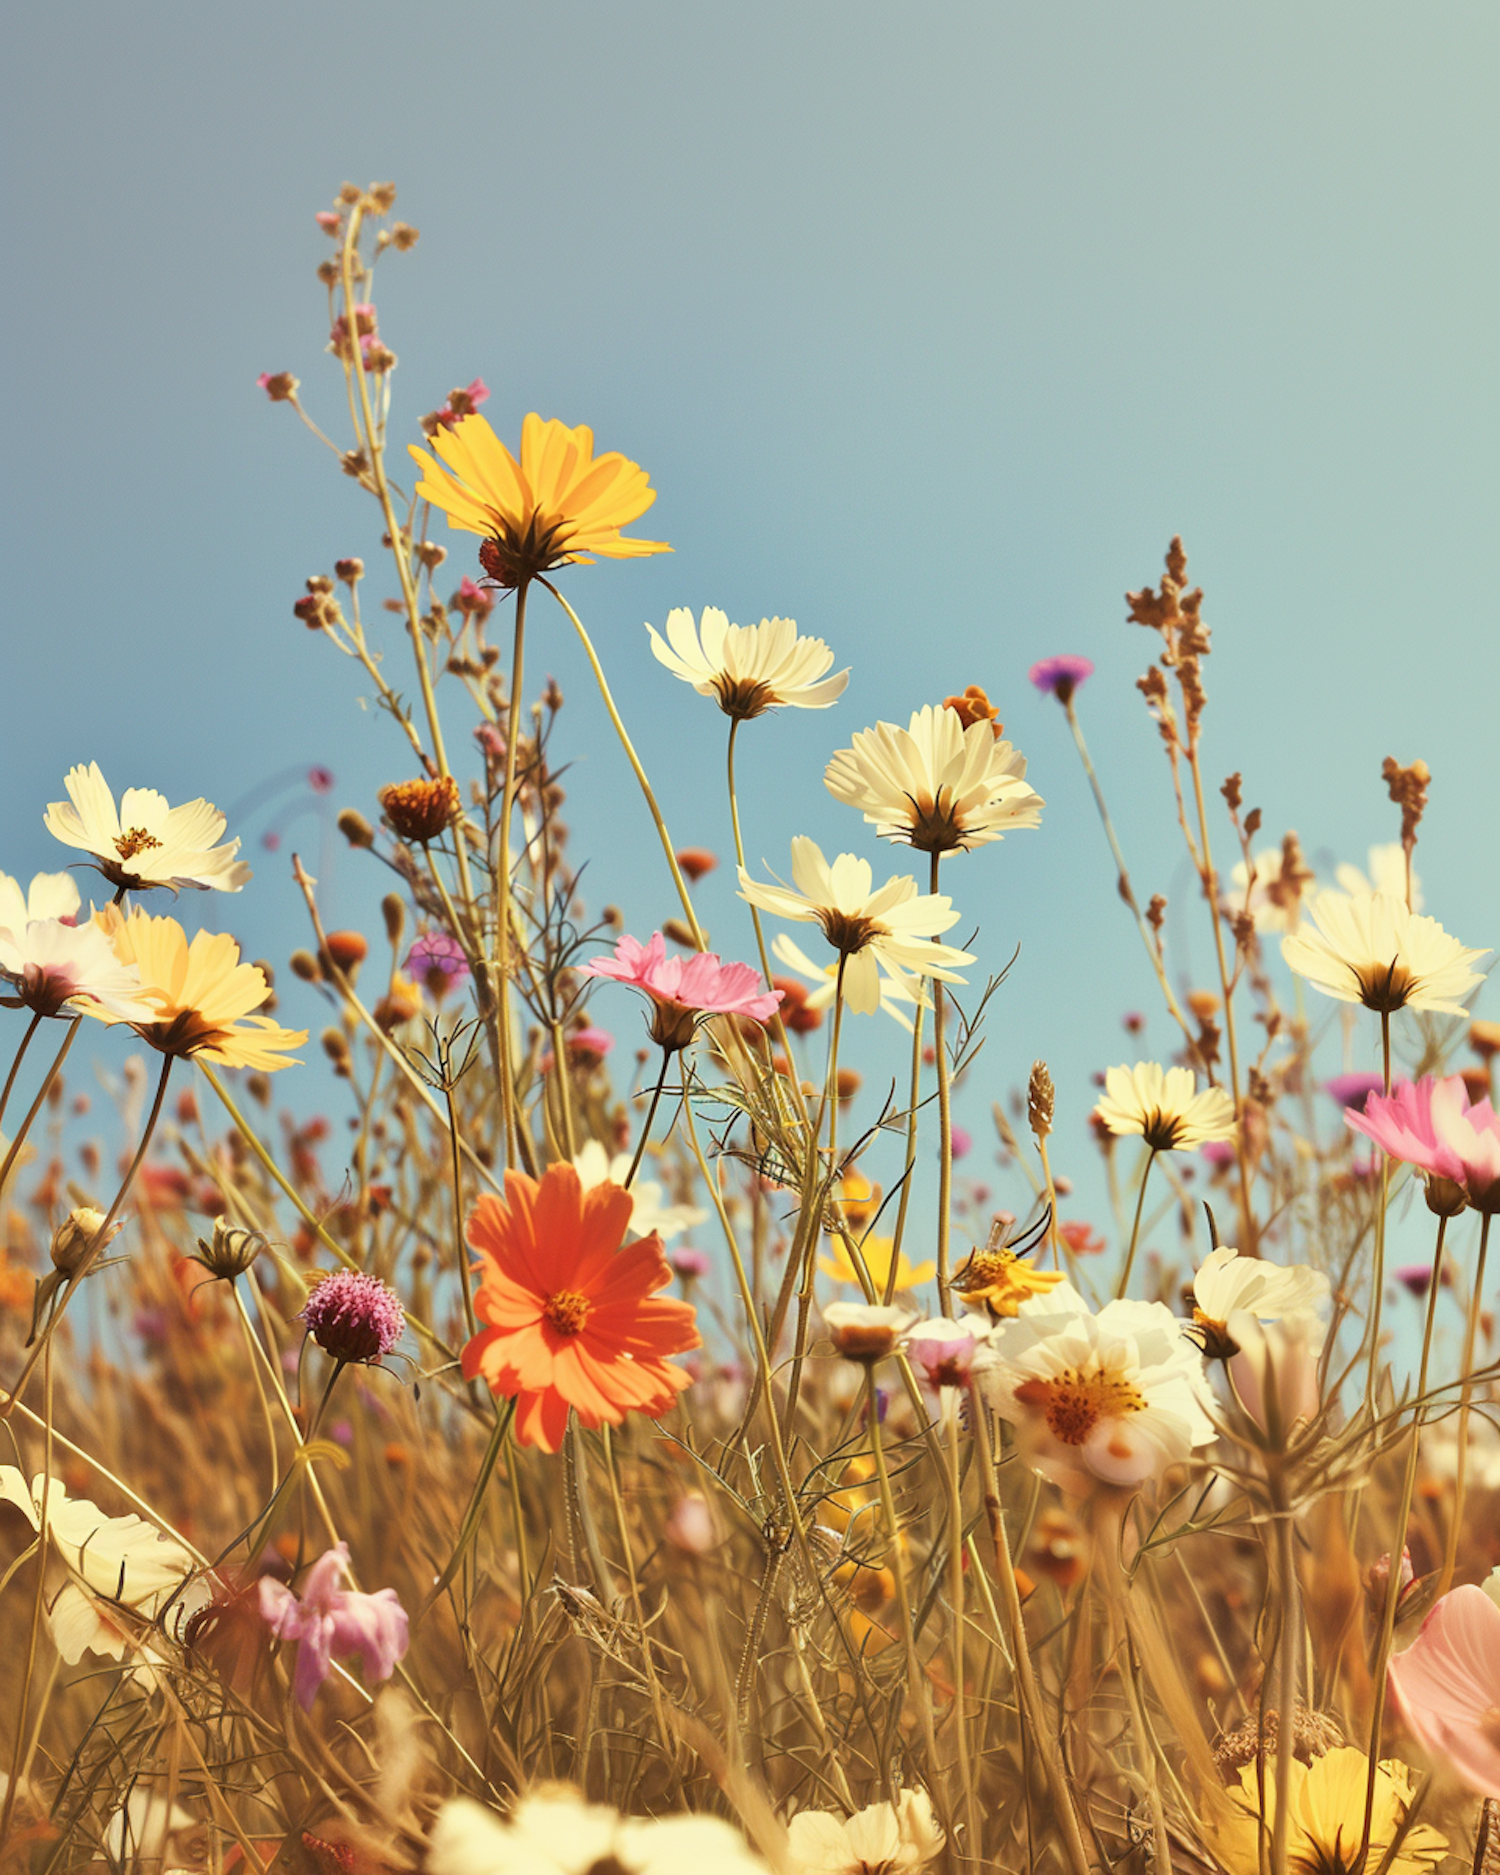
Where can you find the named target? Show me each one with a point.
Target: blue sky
(932, 326)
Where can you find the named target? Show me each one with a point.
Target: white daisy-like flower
(115, 1565)
(649, 1210)
(865, 1331)
(145, 842)
(554, 1831)
(1227, 1284)
(749, 668)
(885, 1839)
(1386, 873)
(1111, 1398)
(1281, 885)
(50, 895)
(56, 968)
(936, 785)
(1372, 950)
(895, 998)
(891, 928)
(1164, 1107)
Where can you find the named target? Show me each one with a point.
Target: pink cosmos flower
(328, 1620)
(685, 989)
(1430, 1124)
(1059, 677)
(1446, 1686)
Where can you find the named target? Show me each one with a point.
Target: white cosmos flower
(1387, 873)
(54, 967)
(145, 841)
(937, 786)
(649, 1210)
(895, 998)
(1112, 1398)
(114, 1563)
(1372, 950)
(749, 668)
(885, 1839)
(1282, 882)
(50, 895)
(555, 1832)
(1227, 1284)
(892, 927)
(1163, 1106)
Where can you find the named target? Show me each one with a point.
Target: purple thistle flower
(327, 1620)
(1059, 677)
(354, 1317)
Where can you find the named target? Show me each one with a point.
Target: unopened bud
(393, 910)
(305, 965)
(430, 554)
(679, 933)
(346, 951)
(232, 1250)
(335, 1046)
(355, 828)
(74, 1238)
(350, 570)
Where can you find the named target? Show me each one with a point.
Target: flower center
(135, 840)
(934, 828)
(845, 932)
(567, 1311)
(1161, 1131)
(1385, 986)
(743, 697)
(1074, 1403)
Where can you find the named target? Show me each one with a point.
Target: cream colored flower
(749, 668)
(892, 927)
(865, 1331)
(1387, 873)
(555, 1832)
(895, 998)
(56, 968)
(1164, 1108)
(118, 1567)
(145, 842)
(936, 785)
(885, 1839)
(1372, 950)
(1113, 1397)
(650, 1213)
(1227, 1283)
(1281, 885)
(50, 895)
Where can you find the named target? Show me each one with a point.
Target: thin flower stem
(958, 1635)
(470, 1525)
(15, 1066)
(502, 872)
(917, 1682)
(1135, 1229)
(945, 1128)
(640, 1147)
(810, 1248)
(20, 1753)
(100, 1239)
(648, 1657)
(460, 1248)
(1377, 1278)
(36, 1106)
(1466, 1394)
(909, 1174)
(1286, 1675)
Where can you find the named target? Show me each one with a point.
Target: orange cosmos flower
(573, 1320)
(555, 506)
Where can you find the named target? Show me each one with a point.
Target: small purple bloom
(1060, 677)
(354, 1317)
(1218, 1152)
(1353, 1090)
(1417, 1277)
(341, 1432)
(437, 961)
(590, 1043)
(690, 1263)
(963, 1142)
(327, 1620)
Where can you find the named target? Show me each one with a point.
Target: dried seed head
(350, 570)
(355, 828)
(421, 810)
(1040, 1100)
(232, 1250)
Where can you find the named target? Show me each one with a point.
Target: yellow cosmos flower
(554, 507)
(876, 1252)
(1001, 1281)
(1326, 1818)
(203, 990)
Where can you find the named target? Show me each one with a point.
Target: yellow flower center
(934, 827)
(1384, 986)
(1161, 1130)
(135, 840)
(567, 1311)
(1074, 1403)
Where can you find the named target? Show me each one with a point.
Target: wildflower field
(607, 1437)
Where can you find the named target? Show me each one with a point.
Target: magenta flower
(589, 1046)
(1353, 1090)
(685, 989)
(328, 221)
(1446, 1686)
(1060, 677)
(354, 1317)
(963, 1141)
(1430, 1124)
(690, 1264)
(437, 962)
(328, 1620)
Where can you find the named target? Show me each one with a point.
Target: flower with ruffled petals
(884, 1839)
(892, 927)
(50, 895)
(1325, 1819)
(204, 995)
(145, 842)
(1163, 1106)
(572, 1318)
(749, 668)
(1430, 1124)
(1110, 1398)
(1372, 950)
(895, 998)
(936, 785)
(327, 1619)
(1446, 1686)
(684, 990)
(56, 968)
(1060, 676)
(555, 507)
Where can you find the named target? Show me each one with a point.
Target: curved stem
(15, 1066)
(661, 1081)
(917, 1682)
(502, 873)
(36, 1106)
(1135, 1229)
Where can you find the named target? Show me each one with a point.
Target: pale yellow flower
(50, 895)
(145, 842)
(895, 998)
(876, 1252)
(748, 668)
(1164, 1108)
(1326, 1813)
(1372, 950)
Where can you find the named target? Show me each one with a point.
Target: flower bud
(393, 910)
(75, 1236)
(355, 828)
(305, 965)
(346, 951)
(232, 1250)
(351, 570)
(1040, 1100)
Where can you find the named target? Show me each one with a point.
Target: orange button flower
(573, 1320)
(555, 506)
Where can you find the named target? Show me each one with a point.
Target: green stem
(42, 1092)
(945, 1128)
(1135, 1229)
(661, 1081)
(15, 1066)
